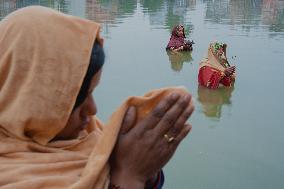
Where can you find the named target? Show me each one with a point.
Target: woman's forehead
(179, 28)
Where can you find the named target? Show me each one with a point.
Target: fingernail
(189, 127)
(174, 96)
(186, 97)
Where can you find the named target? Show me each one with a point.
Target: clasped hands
(143, 148)
(230, 70)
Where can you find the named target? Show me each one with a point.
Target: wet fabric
(211, 69)
(44, 56)
(177, 41)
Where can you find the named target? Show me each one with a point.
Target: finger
(170, 118)
(128, 120)
(186, 129)
(159, 111)
(177, 128)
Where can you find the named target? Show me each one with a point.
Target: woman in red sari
(215, 70)
(177, 41)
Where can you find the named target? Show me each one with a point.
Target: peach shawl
(212, 61)
(44, 55)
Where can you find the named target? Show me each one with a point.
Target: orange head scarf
(212, 59)
(44, 56)
(43, 59)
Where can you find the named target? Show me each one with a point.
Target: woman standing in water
(50, 64)
(177, 41)
(215, 70)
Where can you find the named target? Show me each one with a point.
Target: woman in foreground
(50, 64)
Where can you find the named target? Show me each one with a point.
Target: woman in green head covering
(215, 70)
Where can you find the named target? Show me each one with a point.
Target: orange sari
(44, 56)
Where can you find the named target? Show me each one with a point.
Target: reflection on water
(7, 6)
(273, 14)
(165, 14)
(120, 7)
(97, 12)
(107, 11)
(247, 13)
(177, 59)
(213, 100)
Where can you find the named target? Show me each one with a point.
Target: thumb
(128, 120)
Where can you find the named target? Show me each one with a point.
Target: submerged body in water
(177, 41)
(215, 70)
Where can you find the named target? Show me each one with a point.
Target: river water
(237, 137)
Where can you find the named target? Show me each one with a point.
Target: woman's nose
(90, 106)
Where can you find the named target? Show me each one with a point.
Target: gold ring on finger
(168, 138)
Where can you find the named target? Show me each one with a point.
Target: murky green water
(237, 138)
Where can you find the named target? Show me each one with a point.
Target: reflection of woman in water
(177, 59)
(177, 41)
(213, 100)
(215, 70)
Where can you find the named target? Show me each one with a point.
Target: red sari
(212, 78)
(211, 71)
